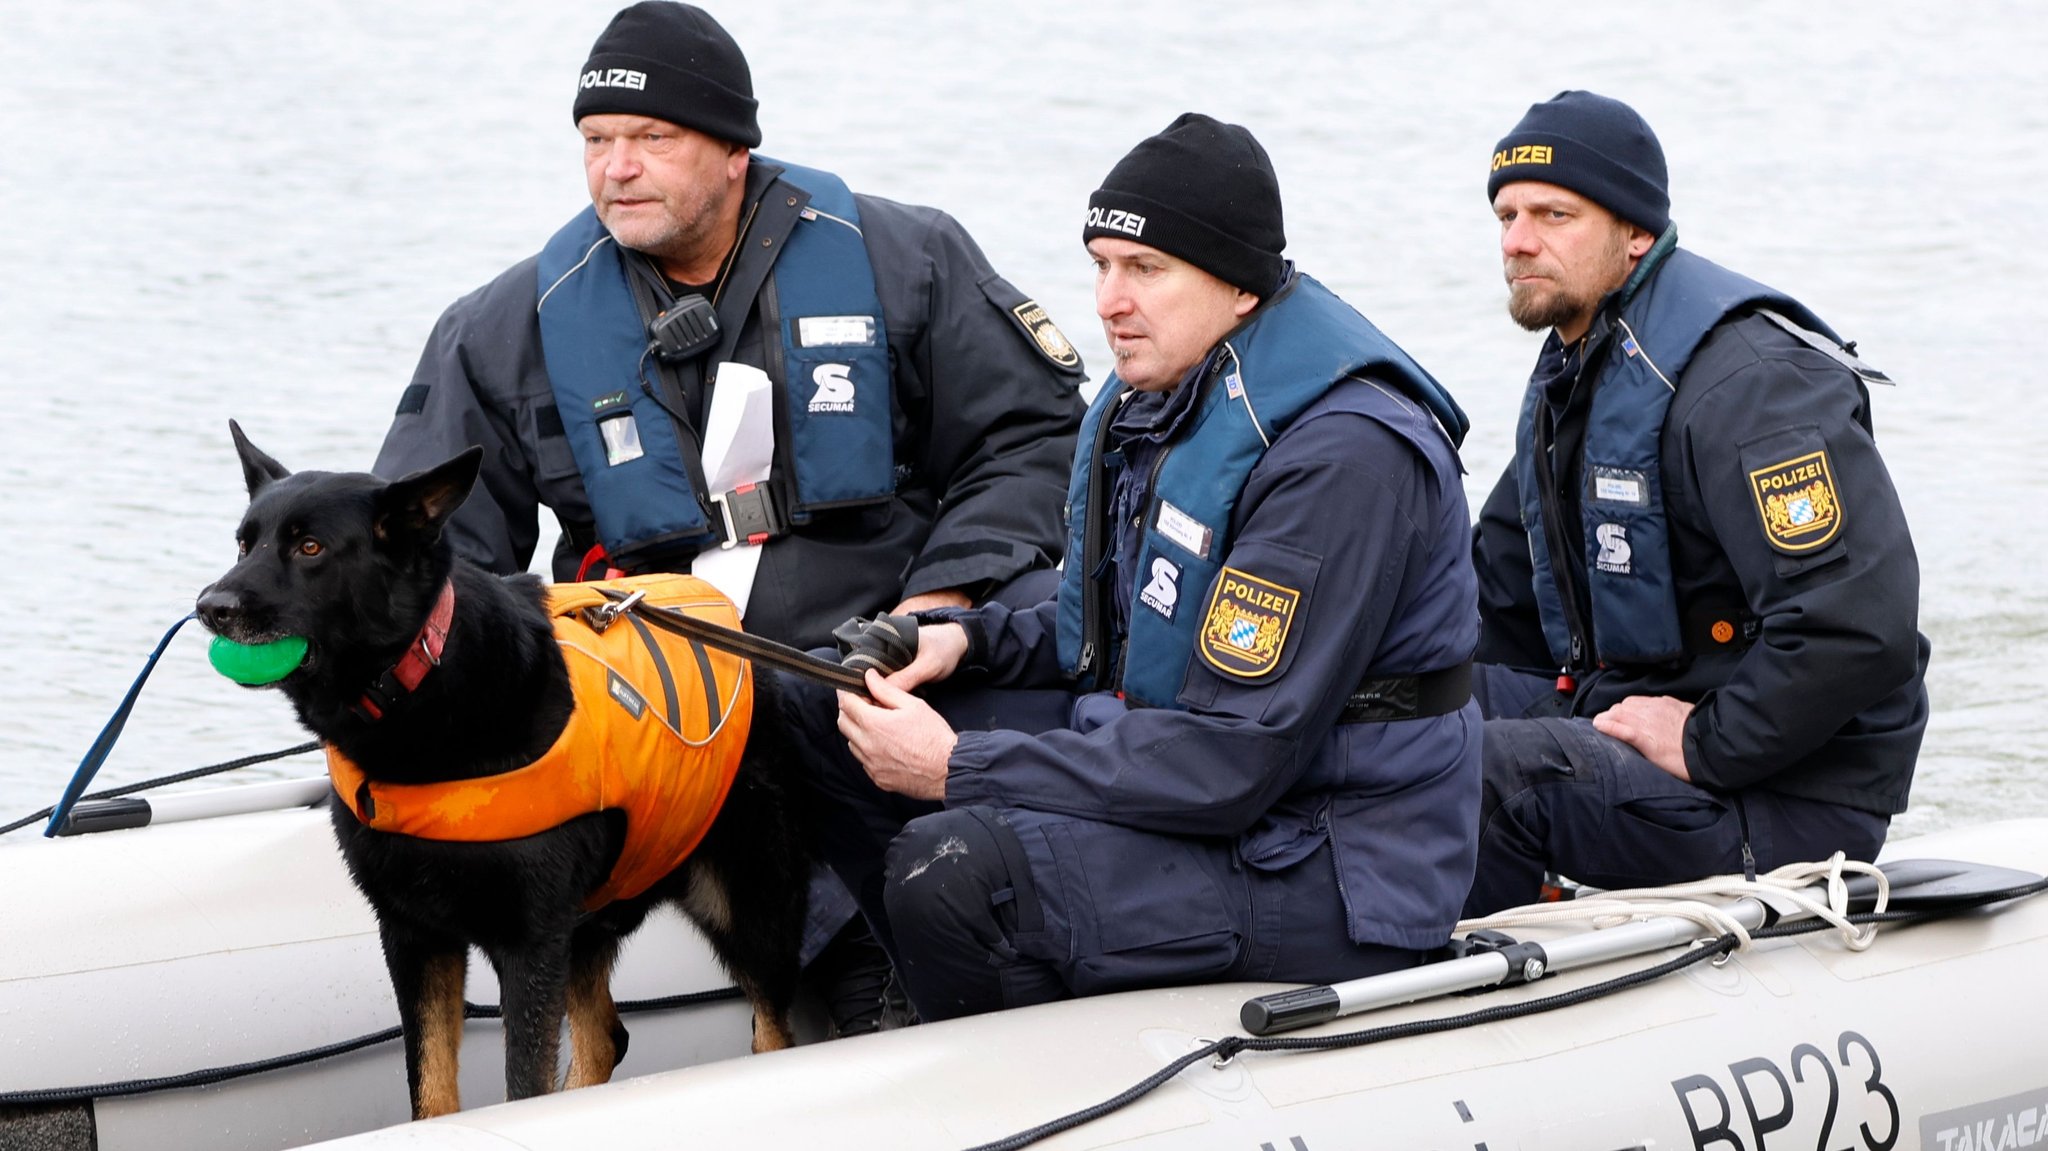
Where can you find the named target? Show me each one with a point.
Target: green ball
(255, 664)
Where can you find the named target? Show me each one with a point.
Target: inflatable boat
(213, 980)
(216, 982)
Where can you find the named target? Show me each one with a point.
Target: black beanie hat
(1597, 147)
(1201, 190)
(672, 62)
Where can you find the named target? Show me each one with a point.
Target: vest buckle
(750, 515)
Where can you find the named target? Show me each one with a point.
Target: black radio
(687, 328)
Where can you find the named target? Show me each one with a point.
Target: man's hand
(1653, 725)
(940, 648)
(925, 601)
(898, 738)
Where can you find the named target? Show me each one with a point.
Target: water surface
(213, 210)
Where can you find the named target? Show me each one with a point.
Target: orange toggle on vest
(657, 731)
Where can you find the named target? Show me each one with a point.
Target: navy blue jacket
(1814, 684)
(1373, 533)
(984, 423)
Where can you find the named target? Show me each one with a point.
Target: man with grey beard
(901, 418)
(1698, 596)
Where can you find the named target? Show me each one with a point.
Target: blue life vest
(1267, 373)
(1627, 559)
(834, 442)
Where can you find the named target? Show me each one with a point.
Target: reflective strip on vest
(662, 750)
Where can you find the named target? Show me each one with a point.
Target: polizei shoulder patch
(1050, 340)
(1798, 502)
(1247, 624)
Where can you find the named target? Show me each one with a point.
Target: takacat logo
(615, 78)
(2008, 1124)
(1521, 154)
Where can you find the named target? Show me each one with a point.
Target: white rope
(1791, 884)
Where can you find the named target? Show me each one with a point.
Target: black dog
(356, 566)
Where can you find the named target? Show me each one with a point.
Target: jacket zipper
(1563, 560)
(1201, 385)
(1151, 497)
(1094, 636)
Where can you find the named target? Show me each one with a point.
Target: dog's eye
(310, 547)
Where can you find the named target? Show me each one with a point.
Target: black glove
(885, 643)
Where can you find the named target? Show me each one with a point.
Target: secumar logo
(835, 388)
(1521, 154)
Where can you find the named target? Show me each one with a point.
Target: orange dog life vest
(657, 731)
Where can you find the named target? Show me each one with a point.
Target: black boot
(857, 983)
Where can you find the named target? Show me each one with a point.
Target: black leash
(206, 1077)
(1228, 1047)
(885, 643)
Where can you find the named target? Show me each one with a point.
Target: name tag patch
(1621, 486)
(1184, 529)
(1798, 503)
(1247, 624)
(835, 331)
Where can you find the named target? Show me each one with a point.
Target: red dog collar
(422, 655)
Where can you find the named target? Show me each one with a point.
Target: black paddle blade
(1936, 884)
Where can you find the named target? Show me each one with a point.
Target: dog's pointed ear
(258, 470)
(422, 502)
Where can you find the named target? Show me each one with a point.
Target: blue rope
(104, 745)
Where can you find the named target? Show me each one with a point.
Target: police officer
(923, 409)
(1264, 759)
(1699, 598)
(907, 413)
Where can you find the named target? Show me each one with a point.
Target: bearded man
(1699, 648)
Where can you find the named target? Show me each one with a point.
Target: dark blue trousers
(1560, 796)
(832, 907)
(985, 908)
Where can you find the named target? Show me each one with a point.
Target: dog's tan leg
(593, 1018)
(708, 903)
(440, 1022)
(771, 1031)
